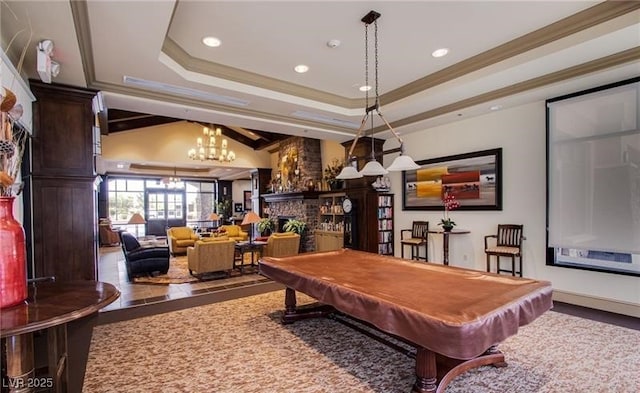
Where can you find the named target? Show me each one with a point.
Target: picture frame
(237, 207)
(475, 179)
(247, 200)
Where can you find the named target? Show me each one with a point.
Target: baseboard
(615, 306)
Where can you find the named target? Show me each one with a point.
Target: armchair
(142, 260)
(108, 236)
(211, 256)
(508, 243)
(282, 245)
(235, 232)
(179, 238)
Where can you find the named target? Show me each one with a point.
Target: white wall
(520, 132)
(238, 188)
(10, 79)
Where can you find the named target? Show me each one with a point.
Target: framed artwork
(247, 200)
(237, 207)
(475, 179)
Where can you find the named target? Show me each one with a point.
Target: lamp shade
(349, 172)
(137, 218)
(250, 218)
(373, 168)
(214, 217)
(402, 163)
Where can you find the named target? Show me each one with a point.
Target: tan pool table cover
(456, 312)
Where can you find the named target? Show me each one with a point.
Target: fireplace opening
(283, 220)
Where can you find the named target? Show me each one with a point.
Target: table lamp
(137, 219)
(250, 218)
(214, 218)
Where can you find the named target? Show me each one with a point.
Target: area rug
(178, 274)
(240, 346)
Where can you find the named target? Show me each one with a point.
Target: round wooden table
(67, 312)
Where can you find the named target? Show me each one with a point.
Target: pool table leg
(293, 313)
(426, 371)
(434, 371)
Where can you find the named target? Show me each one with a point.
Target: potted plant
(296, 226)
(449, 201)
(224, 209)
(266, 226)
(332, 170)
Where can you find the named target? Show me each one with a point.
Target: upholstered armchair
(211, 256)
(179, 238)
(234, 232)
(108, 236)
(282, 245)
(143, 260)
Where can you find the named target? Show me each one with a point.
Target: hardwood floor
(137, 300)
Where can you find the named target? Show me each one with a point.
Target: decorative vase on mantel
(13, 276)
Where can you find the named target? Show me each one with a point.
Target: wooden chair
(508, 243)
(419, 232)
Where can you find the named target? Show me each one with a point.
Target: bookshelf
(329, 233)
(384, 218)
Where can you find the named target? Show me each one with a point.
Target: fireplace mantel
(291, 196)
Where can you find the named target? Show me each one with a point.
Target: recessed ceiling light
(301, 68)
(440, 52)
(365, 88)
(495, 107)
(120, 166)
(333, 43)
(211, 42)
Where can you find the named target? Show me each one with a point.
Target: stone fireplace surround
(303, 206)
(299, 203)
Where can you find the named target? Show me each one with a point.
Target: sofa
(211, 256)
(234, 232)
(179, 238)
(282, 245)
(143, 260)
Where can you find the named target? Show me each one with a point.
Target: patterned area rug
(178, 274)
(240, 346)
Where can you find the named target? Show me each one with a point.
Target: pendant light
(373, 167)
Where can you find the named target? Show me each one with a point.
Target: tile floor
(111, 269)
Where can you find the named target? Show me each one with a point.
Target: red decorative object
(13, 277)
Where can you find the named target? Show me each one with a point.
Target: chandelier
(373, 168)
(171, 181)
(208, 149)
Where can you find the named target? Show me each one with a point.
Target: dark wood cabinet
(62, 184)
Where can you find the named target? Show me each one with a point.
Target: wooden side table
(247, 247)
(67, 312)
(445, 240)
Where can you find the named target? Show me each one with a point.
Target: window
(126, 196)
(201, 197)
(593, 182)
